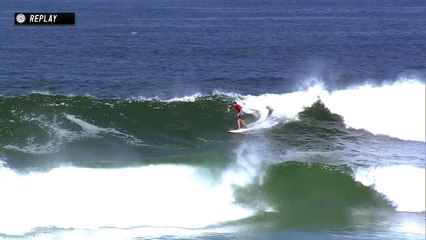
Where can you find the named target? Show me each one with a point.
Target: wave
(396, 109)
(53, 130)
(59, 136)
(320, 190)
(171, 197)
(179, 196)
(165, 196)
(313, 194)
(162, 198)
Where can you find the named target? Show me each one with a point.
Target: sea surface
(117, 127)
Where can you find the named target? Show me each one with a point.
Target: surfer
(240, 114)
(270, 110)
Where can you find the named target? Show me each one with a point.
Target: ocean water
(116, 127)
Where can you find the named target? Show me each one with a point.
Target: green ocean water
(169, 169)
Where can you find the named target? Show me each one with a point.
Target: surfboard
(241, 130)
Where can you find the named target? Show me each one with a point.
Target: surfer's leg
(244, 123)
(241, 119)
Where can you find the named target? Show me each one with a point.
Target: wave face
(40, 125)
(321, 190)
(142, 164)
(305, 193)
(43, 123)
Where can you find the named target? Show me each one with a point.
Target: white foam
(60, 136)
(396, 109)
(190, 98)
(42, 93)
(89, 129)
(34, 148)
(403, 185)
(143, 99)
(2, 163)
(164, 199)
(172, 196)
(127, 233)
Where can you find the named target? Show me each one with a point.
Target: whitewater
(395, 109)
(163, 197)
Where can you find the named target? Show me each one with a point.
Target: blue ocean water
(116, 127)
(178, 48)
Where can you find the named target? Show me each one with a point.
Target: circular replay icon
(20, 18)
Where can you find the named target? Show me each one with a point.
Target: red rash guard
(238, 107)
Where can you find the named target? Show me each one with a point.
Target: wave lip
(403, 185)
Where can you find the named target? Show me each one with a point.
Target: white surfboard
(241, 130)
